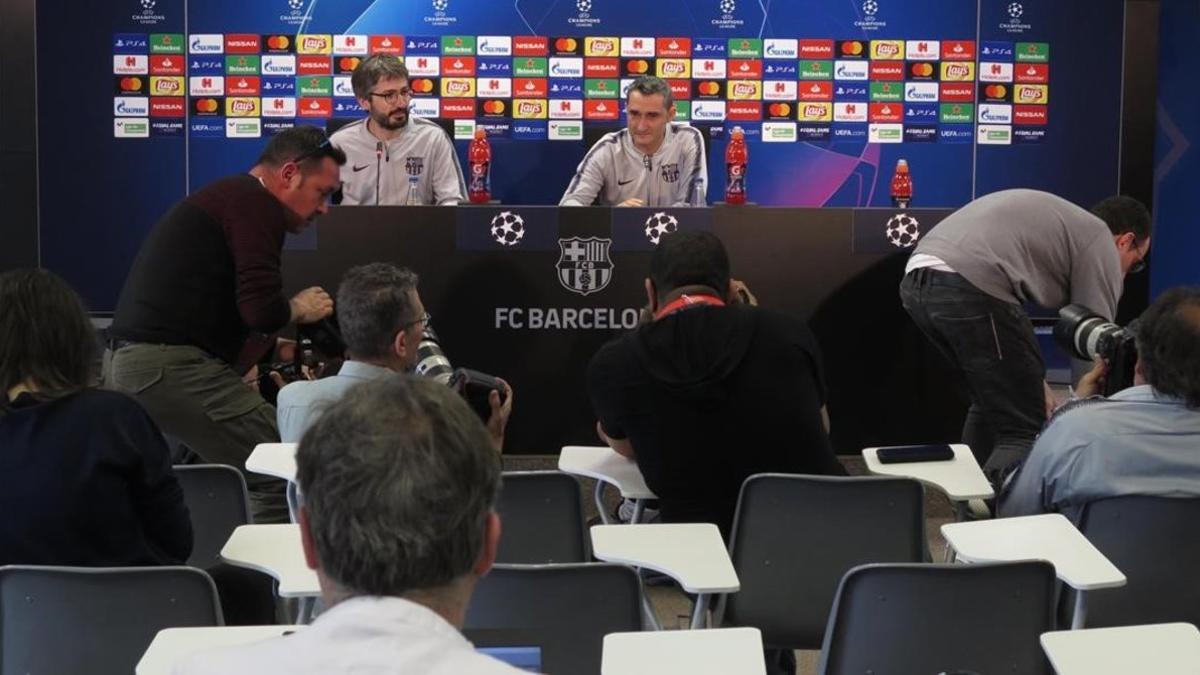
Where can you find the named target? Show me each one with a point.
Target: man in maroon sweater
(206, 280)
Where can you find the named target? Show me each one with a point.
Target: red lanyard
(685, 301)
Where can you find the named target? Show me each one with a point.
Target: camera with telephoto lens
(1087, 335)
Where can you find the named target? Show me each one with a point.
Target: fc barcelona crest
(583, 264)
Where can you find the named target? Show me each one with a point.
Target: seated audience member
(382, 321)
(397, 481)
(85, 475)
(1143, 440)
(712, 390)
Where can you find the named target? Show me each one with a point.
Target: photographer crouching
(1143, 439)
(386, 330)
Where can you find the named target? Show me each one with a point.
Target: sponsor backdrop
(976, 96)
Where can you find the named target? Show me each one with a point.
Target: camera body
(1086, 335)
(475, 387)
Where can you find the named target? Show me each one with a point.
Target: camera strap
(686, 301)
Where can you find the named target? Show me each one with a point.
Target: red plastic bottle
(902, 188)
(479, 158)
(736, 158)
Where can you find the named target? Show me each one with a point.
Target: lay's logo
(241, 107)
(315, 44)
(816, 112)
(458, 87)
(530, 108)
(166, 86)
(673, 68)
(887, 50)
(743, 89)
(957, 71)
(1031, 93)
(600, 46)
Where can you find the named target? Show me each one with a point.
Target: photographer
(384, 325)
(1143, 440)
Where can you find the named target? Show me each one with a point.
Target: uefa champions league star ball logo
(660, 224)
(728, 6)
(1015, 10)
(295, 5)
(508, 228)
(584, 6)
(870, 8)
(440, 5)
(903, 230)
(147, 5)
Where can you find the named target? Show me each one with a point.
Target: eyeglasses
(1141, 262)
(393, 96)
(319, 151)
(425, 320)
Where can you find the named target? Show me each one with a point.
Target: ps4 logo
(780, 69)
(709, 46)
(996, 50)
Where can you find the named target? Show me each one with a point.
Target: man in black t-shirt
(712, 390)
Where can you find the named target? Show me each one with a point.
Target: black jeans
(992, 344)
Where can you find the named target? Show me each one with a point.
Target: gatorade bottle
(901, 185)
(735, 167)
(479, 157)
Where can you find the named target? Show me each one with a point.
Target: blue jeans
(992, 345)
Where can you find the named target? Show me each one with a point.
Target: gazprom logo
(995, 114)
(851, 70)
(921, 91)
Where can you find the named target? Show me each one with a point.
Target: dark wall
(18, 140)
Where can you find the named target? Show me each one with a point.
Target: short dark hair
(689, 259)
(1168, 344)
(649, 85)
(373, 301)
(1124, 214)
(373, 69)
(300, 144)
(46, 337)
(397, 478)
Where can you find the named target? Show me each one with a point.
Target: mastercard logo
(348, 63)
(779, 110)
(422, 86)
(566, 44)
(206, 105)
(279, 42)
(995, 91)
(709, 88)
(637, 67)
(493, 107)
(132, 84)
(922, 69)
(852, 48)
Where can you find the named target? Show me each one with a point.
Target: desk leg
(304, 616)
(599, 497)
(960, 511)
(699, 611)
(1080, 613)
(639, 505)
(293, 501)
(651, 618)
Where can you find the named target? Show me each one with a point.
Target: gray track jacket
(377, 172)
(614, 170)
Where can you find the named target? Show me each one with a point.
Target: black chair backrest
(215, 495)
(794, 537)
(1155, 542)
(984, 618)
(566, 609)
(100, 621)
(542, 519)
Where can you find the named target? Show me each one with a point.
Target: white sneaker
(625, 513)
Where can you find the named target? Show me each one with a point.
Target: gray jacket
(614, 170)
(378, 172)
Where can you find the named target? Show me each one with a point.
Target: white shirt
(300, 403)
(359, 636)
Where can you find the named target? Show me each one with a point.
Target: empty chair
(564, 609)
(899, 619)
(215, 495)
(1155, 542)
(99, 621)
(794, 537)
(541, 518)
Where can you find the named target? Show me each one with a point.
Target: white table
(278, 460)
(607, 466)
(275, 550)
(691, 553)
(720, 651)
(172, 645)
(960, 478)
(1162, 649)
(1049, 537)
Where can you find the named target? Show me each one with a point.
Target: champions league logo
(508, 228)
(869, 9)
(584, 18)
(295, 13)
(440, 17)
(902, 230)
(1015, 12)
(726, 20)
(147, 17)
(659, 224)
(584, 266)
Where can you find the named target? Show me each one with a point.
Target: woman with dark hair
(85, 475)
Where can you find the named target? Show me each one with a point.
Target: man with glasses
(382, 321)
(393, 157)
(968, 278)
(205, 296)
